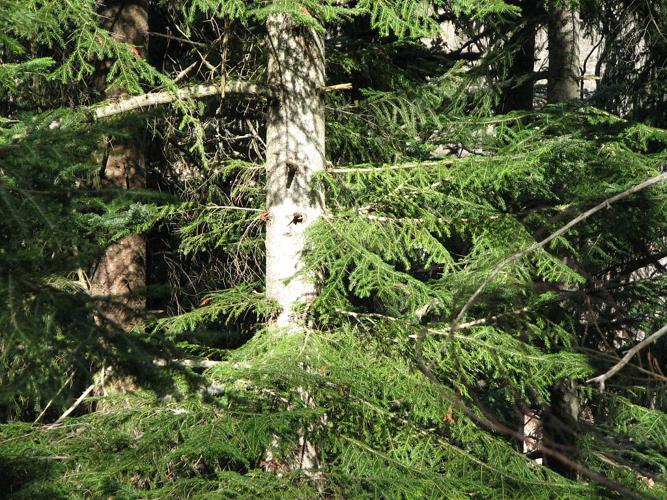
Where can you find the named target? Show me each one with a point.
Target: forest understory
(333, 249)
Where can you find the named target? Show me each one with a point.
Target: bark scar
(297, 218)
(291, 172)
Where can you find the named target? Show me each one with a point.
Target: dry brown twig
(601, 379)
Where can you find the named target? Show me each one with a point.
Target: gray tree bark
(120, 275)
(563, 42)
(294, 154)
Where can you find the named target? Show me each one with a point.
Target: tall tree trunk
(294, 154)
(520, 91)
(120, 274)
(563, 41)
(119, 277)
(562, 415)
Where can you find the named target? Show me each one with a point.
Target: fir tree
(465, 262)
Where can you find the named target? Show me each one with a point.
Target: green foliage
(73, 32)
(427, 190)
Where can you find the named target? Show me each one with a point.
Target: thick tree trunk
(120, 274)
(520, 92)
(295, 153)
(563, 40)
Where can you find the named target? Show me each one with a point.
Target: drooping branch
(483, 418)
(131, 103)
(601, 379)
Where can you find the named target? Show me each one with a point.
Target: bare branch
(601, 379)
(338, 86)
(462, 326)
(382, 168)
(39, 417)
(189, 363)
(192, 92)
(131, 103)
(76, 403)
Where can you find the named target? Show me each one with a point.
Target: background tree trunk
(119, 278)
(563, 40)
(295, 153)
(120, 275)
(562, 415)
(520, 92)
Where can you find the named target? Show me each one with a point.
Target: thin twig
(231, 207)
(98, 380)
(483, 321)
(601, 379)
(462, 326)
(39, 417)
(177, 38)
(76, 403)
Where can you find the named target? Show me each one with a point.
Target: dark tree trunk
(519, 92)
(560, 424)
(562, 415)
(119, 277)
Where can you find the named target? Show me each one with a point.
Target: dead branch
(601, 379)
(131, 103)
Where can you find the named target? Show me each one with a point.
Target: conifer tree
(435, 298)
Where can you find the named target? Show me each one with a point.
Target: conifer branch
(127, 104)
(482, 417)
(585, 215)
